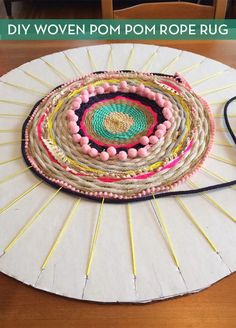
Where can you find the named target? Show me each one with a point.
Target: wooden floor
(53, 9)
(64, 9)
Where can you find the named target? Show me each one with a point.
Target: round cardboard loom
(71, 245)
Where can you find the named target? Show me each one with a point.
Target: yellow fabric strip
(91, 61)
(56, 70)
(73, 64)
(170, 64)
(39, 80)
(12, 115)
(110, 60)
(31, 221)
(130, 59)
(10, 130)
(10, 160)
(15, 102)
(60, 235)
(13, 175)
(221, 159)
(147, 64)
(10, 142)
(212, 201)
(95, 237)
(23, 88)
(190, 216)
(167, 235)
(206, 78)
(209, 91)
(26, 192)
(189, 68)
(132, 241)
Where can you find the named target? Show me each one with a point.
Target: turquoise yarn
(140, 122)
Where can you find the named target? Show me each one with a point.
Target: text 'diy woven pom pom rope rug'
(118, 173)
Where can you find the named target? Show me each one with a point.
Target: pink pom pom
(72, 125)
(140, 88)
(167, 124)
(123, 85)
(133, 89)
(167, 113)
(74, 118)
(162, 127)
(85, 149)
(76, 137)
(168, 104)
(104, 156)
(75, 104)
(113, 88)
(159, 133)
(70, 113)
(100, 90)
(91, 88)
(153, 140)
(122, 155)
(151, 95)
(144, 140)
(111, 151)
(84, 141)
(142, 152)
(132, 152)
(106, 86)
(84, 92)
(78, 99)
(85, 98)
(93, 152)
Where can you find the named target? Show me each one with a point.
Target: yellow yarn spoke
(21, 87)
(91, 61)
(95, 237)
(221, 159)
(191, 217)
(221, 116)
(149, 62)
(209, 91)
(224, 130)
(73, 64)
(60, 235)
(189, 68)
(13, 175)
(212, 201)
(11, 160)
(206, 78)
(171, 63)
(110, 59)
(130, 59)
(224, 144)
(36, 78)
(164, 228)
(9, 130)
(218, 102)
(12, 115)
(30, 222)
(15, 102)
(6, 207)
(132, 241)
(10, 142)
(220, 178)
(56, 70)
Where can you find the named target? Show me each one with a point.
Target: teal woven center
(139, 121)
